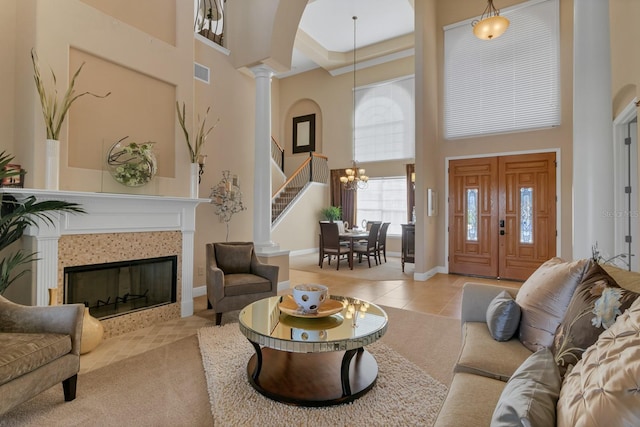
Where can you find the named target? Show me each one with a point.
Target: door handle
(502, 223)
(502, 232)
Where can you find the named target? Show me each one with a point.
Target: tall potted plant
(15, 216)
(55, 111)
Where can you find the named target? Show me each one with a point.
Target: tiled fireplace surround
(117, 227)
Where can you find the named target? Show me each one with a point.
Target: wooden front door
(502, 215)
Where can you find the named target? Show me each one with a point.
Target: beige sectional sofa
(485, 365)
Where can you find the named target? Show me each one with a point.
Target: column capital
(262, 70)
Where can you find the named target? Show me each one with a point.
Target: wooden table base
(312, 379)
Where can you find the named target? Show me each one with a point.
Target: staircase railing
(313, 169)
(277, 153)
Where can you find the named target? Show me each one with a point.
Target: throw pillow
(543, 300)
(594, 307)
(233, 259)
(531, 394)
(503, 317)
(602, 389)
(624, 278)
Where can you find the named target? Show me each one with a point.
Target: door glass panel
(526, 215)
(472, 214)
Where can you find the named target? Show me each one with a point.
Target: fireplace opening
(115, 288)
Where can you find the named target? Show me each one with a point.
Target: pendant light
(491, 25)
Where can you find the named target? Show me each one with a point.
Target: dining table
(353, 236)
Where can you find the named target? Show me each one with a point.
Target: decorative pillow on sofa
(233, 259)
(503, 317)
(531, 394)
(602, 389)
(543, 300)
(594, 307)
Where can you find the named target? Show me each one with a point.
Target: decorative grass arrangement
(53, 109)
(201, 135)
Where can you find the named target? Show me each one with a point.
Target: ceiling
(325, 38)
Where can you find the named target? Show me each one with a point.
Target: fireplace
(115, 228)
(116, 288)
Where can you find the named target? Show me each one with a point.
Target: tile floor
(440, 295)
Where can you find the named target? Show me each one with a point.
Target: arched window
(385, 121)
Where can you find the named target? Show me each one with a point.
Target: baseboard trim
(422, 277)
(199, 291)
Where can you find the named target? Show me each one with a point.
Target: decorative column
(262, 166)
(593, 204)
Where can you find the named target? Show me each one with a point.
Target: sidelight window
(472, 214)
(526, 215)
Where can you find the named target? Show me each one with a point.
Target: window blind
(385, 121)
(508, 84)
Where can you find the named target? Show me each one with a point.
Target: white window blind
(508, 84)
(385, 121)
(385, 199)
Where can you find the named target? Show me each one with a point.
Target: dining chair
(381, 247)
(368, 248)
(330, 244)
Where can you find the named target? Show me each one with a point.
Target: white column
(592, 130)
(262, 167)
(47, 267)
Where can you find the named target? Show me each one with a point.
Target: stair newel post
(310, 166)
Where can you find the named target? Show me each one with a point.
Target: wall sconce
(201, 159)
(491, 25)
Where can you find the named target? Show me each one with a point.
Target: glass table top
(263, 322)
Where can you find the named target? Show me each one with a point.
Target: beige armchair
(236, 278)
(39, 347)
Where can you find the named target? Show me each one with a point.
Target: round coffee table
(312, 360)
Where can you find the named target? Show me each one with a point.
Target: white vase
(194, 180)
(52, 164)
(92, 332)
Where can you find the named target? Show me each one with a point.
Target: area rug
(390, 270)
(404, 395)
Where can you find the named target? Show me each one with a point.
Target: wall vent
(201, 72)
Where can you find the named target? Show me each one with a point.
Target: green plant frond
(20, 215)
(6, 159)
(11, 262)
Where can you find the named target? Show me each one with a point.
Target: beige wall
(154, 17)
(60, 30)
(299, 232)
(625, 76)
(7, 71)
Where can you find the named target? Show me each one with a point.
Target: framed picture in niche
(15, 180)
(304, 133)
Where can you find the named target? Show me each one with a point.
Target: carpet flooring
(404, 395)
(167, 386)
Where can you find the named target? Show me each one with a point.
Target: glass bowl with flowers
(132, 164)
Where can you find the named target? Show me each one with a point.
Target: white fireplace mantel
(111, 213)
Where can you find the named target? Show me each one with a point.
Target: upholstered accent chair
(236, 278)
(39, 348)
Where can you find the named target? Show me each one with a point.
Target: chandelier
(491, 25)
(354, 178)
